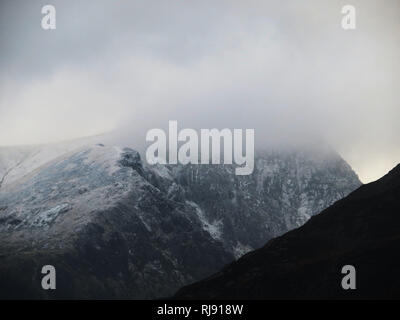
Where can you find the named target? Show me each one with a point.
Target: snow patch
(48, 216)
(213, 228)
(162, 171)
(240, 249)
(106, 157)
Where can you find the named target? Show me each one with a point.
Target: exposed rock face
(284, 191)
(361, 230)
(116, 228)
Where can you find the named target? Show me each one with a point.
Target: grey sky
(284, 68)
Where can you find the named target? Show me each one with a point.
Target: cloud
(285, 69)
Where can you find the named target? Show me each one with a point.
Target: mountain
(17, 161)
(115, 227)
(284, 191)
(362, 230)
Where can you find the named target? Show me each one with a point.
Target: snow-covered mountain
(15, 162)
(116, 227)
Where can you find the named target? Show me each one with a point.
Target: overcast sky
(285, 68)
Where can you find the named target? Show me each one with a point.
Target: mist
(284, 68)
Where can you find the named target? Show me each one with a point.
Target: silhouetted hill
(362, 230)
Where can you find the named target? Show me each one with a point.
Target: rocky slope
(284, 191)
(116, 228)
(362, 230)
